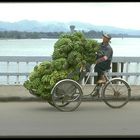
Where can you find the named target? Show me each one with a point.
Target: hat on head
(107, 35)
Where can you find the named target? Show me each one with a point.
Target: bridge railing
(14, 70)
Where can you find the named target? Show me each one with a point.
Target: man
(104, 58)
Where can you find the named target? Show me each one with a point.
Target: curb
(7, 99)
(134, 98)
(16, 98)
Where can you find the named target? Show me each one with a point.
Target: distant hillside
(35, 26)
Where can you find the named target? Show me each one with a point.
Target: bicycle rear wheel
(66, 95)
(116, 93)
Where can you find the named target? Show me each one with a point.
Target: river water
(44, 47)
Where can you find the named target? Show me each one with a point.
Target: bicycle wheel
(66, 95)
(116, 93)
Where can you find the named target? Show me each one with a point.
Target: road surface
(91, 119)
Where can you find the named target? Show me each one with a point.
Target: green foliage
(70, 52)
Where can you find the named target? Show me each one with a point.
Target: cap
(107, 35)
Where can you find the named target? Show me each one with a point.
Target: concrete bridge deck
(20, 93)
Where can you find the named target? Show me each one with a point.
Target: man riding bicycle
(104, 58)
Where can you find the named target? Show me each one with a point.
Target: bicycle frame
(107, 77)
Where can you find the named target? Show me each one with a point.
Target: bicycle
(67, 94)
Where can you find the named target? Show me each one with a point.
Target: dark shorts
(100, 67)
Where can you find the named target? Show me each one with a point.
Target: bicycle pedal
(95, 95)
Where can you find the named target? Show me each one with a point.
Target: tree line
(38, 35)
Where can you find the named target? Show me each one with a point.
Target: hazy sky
(118, 14)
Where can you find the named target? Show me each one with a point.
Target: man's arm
(104, 58)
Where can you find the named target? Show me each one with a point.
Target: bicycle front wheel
(66, 95)
(116, 93)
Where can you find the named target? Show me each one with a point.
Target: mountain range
(55, 26)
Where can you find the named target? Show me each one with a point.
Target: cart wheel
(66, 95)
